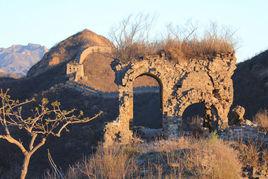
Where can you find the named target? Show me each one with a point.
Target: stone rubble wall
(205, 80)
(244, 133)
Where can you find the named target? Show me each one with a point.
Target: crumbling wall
(75, 70)
(206, 80)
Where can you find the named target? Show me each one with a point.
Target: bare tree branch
(32, 141)
(58, 134)
(14, 141)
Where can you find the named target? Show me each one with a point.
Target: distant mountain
(251, 84)
(15, 61)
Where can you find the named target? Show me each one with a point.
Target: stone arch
(154, 67)
(157, 106)
(126, 93)
(193, 119)
(76, 67)
(195, 109)
(212, 108)
(192, 97)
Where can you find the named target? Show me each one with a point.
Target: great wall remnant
(206, 81)
(75, 69)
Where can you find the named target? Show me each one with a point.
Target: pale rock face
(205, 81)
(16, 60)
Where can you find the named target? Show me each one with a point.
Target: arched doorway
(147, 102)
(193, 118)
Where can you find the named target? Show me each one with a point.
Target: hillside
(16, 60)
(67, 50)
(251, 84)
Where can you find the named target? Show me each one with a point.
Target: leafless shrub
(262, 119)
(131, 37)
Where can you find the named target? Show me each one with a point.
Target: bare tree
(47, 119)
(131, 36)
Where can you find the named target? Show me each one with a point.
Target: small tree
(46, 119)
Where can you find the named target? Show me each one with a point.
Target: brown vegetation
(253, 157)
(131, 39)
(184, 157)
(262, 119)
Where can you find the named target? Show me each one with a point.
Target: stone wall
(94, 49)
(75, 71)
(246, 134)
(75, 68)
(206, 80)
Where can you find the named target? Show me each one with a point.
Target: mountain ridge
(16, 60)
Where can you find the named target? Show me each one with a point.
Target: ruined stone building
(206, 80)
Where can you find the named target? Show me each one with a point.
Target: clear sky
(47, 22)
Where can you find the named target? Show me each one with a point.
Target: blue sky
(50, 21)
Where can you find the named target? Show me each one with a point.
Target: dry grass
(248, 154)
(262, 119)
(214, 159)
(105, 163)
(131, 39)
(176, 50)
(210, 158)
(253, 157)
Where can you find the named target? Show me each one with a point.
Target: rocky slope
(251, 84)
(16, 60)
